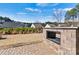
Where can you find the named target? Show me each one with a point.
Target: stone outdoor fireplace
(65, 40)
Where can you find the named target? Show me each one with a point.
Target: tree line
(4, 18)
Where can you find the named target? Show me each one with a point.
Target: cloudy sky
(32, 12)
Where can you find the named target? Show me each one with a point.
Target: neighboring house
(63, 25)
(27, 25)
(1, 26)
(2, 21)
(50, 25)
(58, 25)
(12, 24)
(37, 25)
(74, 24)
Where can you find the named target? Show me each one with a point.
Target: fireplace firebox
(53, 36)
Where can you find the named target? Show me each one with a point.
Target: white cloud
(33, 10)
(42, 4)
(21, 13)
(30, 9)
(61, 9)
(47, 4)
(67, 9)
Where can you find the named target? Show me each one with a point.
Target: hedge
(20, 30)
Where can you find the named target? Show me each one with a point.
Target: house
(50, 25)
(56, 25)
(64, 25)
(74, 24)
(13, 24)
(37, 25)
(27, 24)
(1, 26)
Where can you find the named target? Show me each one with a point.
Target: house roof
(38, 25)
(74, 24)
(1, 26)
(60, 25)
(52, 25)
(13, 25)
(64, 25)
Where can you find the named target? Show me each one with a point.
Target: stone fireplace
(64, 39)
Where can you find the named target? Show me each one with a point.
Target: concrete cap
(62, 28)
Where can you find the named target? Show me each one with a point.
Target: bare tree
(58, 14)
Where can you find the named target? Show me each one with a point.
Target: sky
(33, 12)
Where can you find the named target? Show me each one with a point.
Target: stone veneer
(69, 41)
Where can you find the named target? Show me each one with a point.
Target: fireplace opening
(53, 36)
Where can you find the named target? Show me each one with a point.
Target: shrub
(20, 30)
(7, 30)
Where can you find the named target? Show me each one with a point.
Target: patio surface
(25, 44)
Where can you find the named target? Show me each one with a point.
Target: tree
(73, 13)
(48, 22)
(1, 17)
(77, 6)
(58, 14)
(67, 16)
(5, 18)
